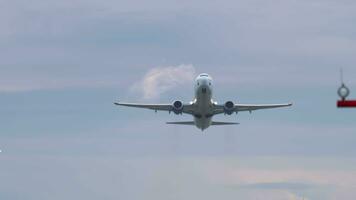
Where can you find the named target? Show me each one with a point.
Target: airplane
(203, 107)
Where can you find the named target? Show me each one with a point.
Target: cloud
(278, 186)
(90, 176)
(20, 84)
(162, 79)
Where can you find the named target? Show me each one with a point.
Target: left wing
(187, 108)
(248, 107)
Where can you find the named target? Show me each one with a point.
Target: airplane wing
(249, 107)
(187, 108)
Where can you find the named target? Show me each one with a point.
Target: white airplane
(203, 108)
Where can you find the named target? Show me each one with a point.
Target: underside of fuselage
(203, 101)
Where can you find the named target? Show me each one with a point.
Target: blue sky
(63, 63)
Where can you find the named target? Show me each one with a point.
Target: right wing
(187, 108)
(249, 107)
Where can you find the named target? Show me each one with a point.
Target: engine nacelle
(229, 107)
(177, 107)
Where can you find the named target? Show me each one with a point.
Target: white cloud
(162, 79)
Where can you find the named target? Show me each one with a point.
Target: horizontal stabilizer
(223, 123)
(182, 123)
(212, 123)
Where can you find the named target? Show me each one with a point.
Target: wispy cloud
(162, 79)
(51, 83)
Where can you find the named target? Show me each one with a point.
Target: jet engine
(177, 107)
(229, 107)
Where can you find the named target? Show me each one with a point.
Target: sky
(64, 63)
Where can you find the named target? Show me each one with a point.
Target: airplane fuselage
(203, 101)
